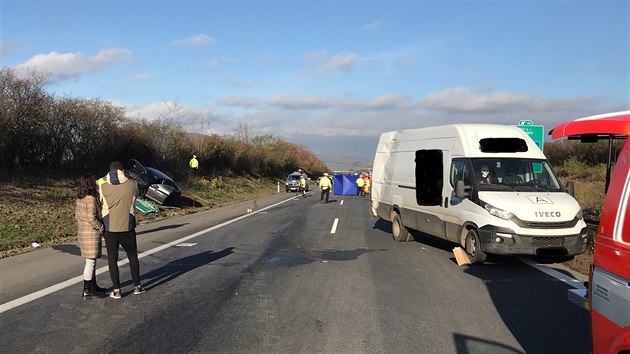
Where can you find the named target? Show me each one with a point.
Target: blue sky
(330, 75)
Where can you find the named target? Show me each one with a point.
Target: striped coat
(87, 214)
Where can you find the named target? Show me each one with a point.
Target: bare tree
(242, 133)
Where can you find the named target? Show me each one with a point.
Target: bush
(590, 154)
(217, 183)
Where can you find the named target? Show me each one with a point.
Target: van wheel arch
(466, 227)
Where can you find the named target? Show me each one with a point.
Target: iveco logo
(547, 214)
(539, 199)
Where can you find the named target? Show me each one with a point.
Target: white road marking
(554, 273)
(51, 289)
(186, 244)
(334, 228)
(341, 202)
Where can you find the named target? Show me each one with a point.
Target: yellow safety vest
(325, 183)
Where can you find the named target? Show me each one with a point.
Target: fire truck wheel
(473, 247)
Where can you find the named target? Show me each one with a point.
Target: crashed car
(153, 184)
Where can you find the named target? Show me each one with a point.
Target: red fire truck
(608, 295)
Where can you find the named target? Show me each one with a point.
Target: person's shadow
(70, 249)
(161, 228)
(177, 267)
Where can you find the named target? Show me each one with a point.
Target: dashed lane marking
(334, 227)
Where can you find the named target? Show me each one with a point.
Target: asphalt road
(293, 276)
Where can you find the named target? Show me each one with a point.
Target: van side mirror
(571, 188)
(462, 190)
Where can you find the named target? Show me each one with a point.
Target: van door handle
(446, 202)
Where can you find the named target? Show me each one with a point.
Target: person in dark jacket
(118, 199)
(88, 216)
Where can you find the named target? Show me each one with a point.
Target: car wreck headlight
(500, 213)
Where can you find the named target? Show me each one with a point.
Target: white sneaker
(137, 290)
(115, 294)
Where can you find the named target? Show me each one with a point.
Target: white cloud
(195, 41)
(464, 100)
(61, 66)
(194, 119)
(142, 77)
(322, 118)
(392, 101)
(340, 62)
(293, 102)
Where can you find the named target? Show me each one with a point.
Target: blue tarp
(345, 184)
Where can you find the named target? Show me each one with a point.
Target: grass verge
(43, 211)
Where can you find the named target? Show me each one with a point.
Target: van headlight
(500, 213)
(580, 215)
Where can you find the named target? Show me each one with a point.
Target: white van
(431, 180)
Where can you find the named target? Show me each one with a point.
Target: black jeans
(325, 192)
(128, 242)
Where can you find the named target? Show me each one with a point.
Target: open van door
(608, 297)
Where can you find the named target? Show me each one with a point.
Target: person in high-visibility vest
(360, 184)
(366, 186)
(302, 188)
(194, 165)
(325, 184)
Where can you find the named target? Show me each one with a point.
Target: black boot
(87, 289)
(97, 289)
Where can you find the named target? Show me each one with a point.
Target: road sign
(536, 132)
(526, 122)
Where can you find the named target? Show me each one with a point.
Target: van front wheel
(399, 231)
(473, 247)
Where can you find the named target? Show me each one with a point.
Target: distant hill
(344, 163)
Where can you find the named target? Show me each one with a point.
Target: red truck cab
(609, 286)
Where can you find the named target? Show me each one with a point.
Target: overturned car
(153, 184)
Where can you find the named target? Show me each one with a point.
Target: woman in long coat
(90, 227)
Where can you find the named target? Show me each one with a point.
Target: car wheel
(473, 247)
(399, 231)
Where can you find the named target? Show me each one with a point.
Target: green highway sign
(536, 132)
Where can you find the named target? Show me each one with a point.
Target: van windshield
(523, 175)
